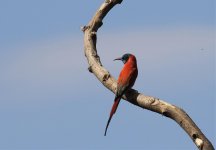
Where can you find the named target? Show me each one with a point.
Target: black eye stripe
(125, 57)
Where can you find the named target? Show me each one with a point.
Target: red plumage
(125, 81)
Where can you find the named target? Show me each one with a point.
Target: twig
(132, 96)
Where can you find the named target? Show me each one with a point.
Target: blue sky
(48, 99)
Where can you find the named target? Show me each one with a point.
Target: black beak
(118, 59)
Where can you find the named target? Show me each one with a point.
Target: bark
(147, 102)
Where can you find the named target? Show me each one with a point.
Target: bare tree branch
(132, 96)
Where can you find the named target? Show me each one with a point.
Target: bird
(126, 80)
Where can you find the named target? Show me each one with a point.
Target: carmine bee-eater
(125, 81)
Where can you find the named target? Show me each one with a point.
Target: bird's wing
(126, 80)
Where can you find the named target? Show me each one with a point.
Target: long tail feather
(107, 125)
(113, 110)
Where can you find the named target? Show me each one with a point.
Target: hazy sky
(48, 99)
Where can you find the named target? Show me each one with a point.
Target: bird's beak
(117, 59)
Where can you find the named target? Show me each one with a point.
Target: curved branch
(132, 96)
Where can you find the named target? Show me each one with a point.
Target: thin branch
(147, 102)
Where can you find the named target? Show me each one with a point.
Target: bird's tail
(113, 110)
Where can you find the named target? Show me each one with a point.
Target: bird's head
(124, 58)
